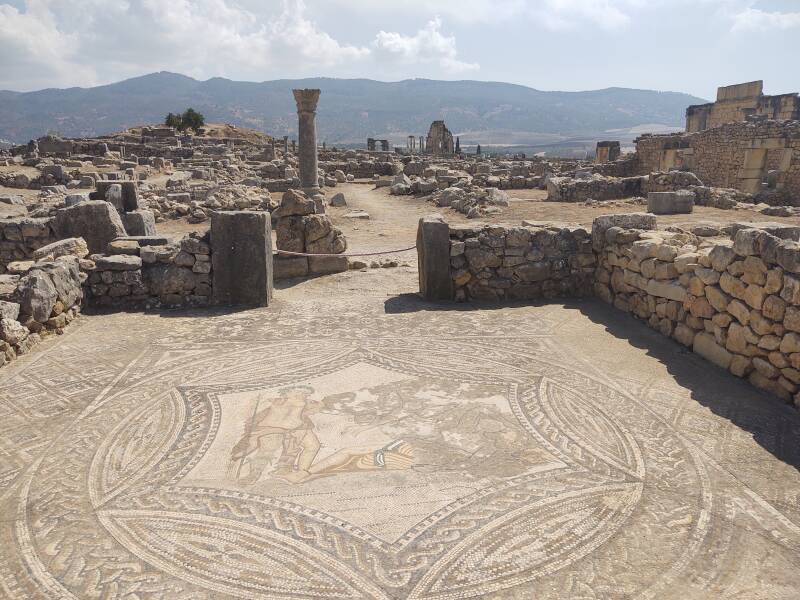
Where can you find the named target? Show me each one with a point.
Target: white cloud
(550, 14)
(428, 46)
(35, 50)
(753, 19)
(52, 43)
(567, 14)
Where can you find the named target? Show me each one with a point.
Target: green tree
(191, 119)
(458, 145)
(478, 149)
(173, 120)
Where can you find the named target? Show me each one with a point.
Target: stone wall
(595, 187)
(134, 274)
(39, 302)
(734, 302)
(20, 237)
(737, 102)
(496, 262)
(735, 155)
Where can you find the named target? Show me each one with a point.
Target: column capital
(306, 100)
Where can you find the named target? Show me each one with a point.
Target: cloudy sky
(677, 45)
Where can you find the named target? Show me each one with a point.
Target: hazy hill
(350, 110)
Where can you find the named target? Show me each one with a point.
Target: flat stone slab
(670, 203)
(148, 240)
(521, 452)
(117, 262)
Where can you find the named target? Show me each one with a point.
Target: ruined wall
(20, 237)
(596, 187)
(176, 274)
(40, 302)
(736, 303)
(440, 140)
(735, 155)
(495, 262)
(607, 151)
(735, 103)
(360, 169)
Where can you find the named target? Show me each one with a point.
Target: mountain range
(350, 110)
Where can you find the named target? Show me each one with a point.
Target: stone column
(285, 146)
(306, 112)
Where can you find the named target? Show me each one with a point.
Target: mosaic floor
(370, 447)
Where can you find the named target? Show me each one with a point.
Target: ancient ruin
(232, 366)
(737, 103)
(439, 141)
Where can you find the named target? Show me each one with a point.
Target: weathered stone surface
(65, 274)
(9, 310)
(663, 289)
(69, 246)
(139, 223)
(670, 203)
(241, 258)
(123, 246)
(117, 262)
(12, 331)
(289, 267)
(36, 295)
(316, 227)
(164, 279)
(705, 345)
(295, 203)
(290, 234)
(324, 265)
(95, 221)
(338, 200)
(128, 194)
(722, 255)
(433, 252)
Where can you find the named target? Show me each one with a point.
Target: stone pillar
(241, 258)
(433, 251)
(306, 112)
(422, 144)
(285, 145)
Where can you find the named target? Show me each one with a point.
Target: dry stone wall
(496, 262)
(20, 238)
(594, 187)
(41, 301)
(735, 155)
(734, 302)
(140, 274)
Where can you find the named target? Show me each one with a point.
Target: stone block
(664, 289)
(705, 345)
(241, 258)
(117, 262)
(670, 203)
(324, 265)
(95, 221)
(433, 251)
(69, 246)
(129, 193)
(139, 223)
(289, 267)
